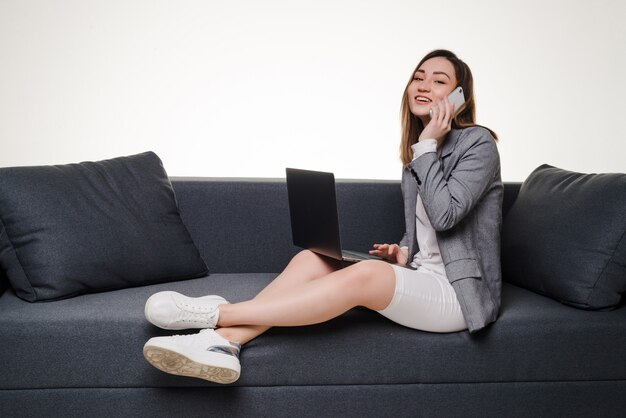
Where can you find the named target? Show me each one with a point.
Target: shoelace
(202, 317)
(191, 307)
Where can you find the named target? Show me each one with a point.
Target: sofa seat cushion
(96, 340)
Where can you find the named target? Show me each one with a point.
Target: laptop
(313, 212)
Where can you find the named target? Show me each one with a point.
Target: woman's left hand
(391, 252)
(440, 122)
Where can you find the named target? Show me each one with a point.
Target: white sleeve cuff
(424, 146)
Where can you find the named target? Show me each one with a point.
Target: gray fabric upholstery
(565, 237)
(82, 356)
(96, 341)
(518, 399)
(93, 226)
(247, 229)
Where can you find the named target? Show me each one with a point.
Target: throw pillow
(93, 226)
(565, 237)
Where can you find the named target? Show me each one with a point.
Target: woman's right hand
(440, 122)
(391, 252)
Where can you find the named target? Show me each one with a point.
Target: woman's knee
(303, 254)
(369, 277)
(317, 265)
(307, 257)
(372, 269)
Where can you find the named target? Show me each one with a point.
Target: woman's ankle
(241, 334)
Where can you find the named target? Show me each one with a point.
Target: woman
(452, 199)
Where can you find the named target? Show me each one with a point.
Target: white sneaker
(171, 310)
(205, 355)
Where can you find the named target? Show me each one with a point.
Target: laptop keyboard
(357, 255)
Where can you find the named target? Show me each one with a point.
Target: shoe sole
(175, 326)
(214, 369)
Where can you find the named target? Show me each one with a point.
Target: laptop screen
(313, 211)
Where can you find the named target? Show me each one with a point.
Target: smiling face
(436, 76)
(432, 81)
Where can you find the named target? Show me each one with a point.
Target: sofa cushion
(93, 226)
(219, 216)
(96, 341)
(565, 237)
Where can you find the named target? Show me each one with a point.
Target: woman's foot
(171, 310)
(205, 355)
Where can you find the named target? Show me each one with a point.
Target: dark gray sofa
(83, 356)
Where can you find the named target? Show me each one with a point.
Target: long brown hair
(412, 126)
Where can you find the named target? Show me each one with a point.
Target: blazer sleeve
(404, 242)
(447, 201)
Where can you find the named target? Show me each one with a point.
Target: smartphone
(456, 98)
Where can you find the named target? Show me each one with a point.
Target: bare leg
(303, 267)
(368, 283)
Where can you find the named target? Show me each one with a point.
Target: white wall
(246, 87)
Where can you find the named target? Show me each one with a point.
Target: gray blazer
(462, 193)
